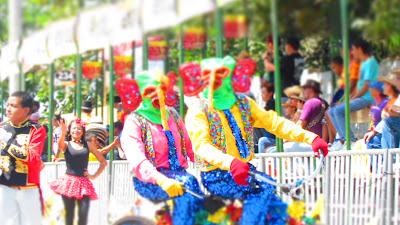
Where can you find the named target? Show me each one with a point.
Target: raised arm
(62, 145)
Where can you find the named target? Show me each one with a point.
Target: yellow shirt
(198, 128)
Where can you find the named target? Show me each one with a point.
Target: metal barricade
(358, 187)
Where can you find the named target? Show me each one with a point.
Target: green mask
(224, 96)
(146, 109)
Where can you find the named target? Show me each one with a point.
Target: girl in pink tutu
(75, 187)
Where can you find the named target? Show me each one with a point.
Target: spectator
(267, 91)
(267, 139)
(297, 101)
(313, 113)
(35, 115)
(269, 59)
(338, 68)
(87, 109)
(291, 105)
(354, 73)
(381, 101)
(362, 98)
(56, 135)
(292, 63)
(20, 164)
(311, 116)
(389, 126)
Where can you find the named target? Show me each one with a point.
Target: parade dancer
(222, 135)
(21, 143)
(75, 187)
(157, 146)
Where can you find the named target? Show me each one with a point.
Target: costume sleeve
(134, 149)
(199, 132)
(32, 151)
(36, 144)
(279, 126)
(188, 143)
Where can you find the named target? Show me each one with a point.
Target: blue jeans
(391, 133)
(337, 114)
(375, 142)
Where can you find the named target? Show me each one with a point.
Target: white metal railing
(358, 187)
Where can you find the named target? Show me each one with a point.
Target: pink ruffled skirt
(74, 187)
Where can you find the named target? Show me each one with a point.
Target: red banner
(235, 26)
(194, 38)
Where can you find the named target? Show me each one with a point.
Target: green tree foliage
(384, 28)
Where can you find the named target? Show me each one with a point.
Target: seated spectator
(362, 98)
(313, 113)
(298, 101)
(381, 101)
(389, 126)
(291, 105)
(311, 116)
(267, 139)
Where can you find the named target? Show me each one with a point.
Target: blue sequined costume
(185, 206)
(260, 202)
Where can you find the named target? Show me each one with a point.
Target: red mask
(191, 76)
(129, 92)
(241, 78)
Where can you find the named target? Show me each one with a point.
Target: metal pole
(103, 63)
(345, 37)
(96, 96)
(204, 49)
(111, 102)
(180, 81)
(145, 49)
(277, 73)
(15, 34)
(133, 59)
(51, 112)
(220, 32)
(1, 100)
(78, 85)
(247, 14)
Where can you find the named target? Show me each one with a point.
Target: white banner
(190, 8)
(8, 60)
(34, 51)
(96, 27)
(127, 23)
(158, 14)
(61, 41)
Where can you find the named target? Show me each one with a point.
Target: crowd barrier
(358, 187)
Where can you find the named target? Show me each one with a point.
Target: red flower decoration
(241, 78)
(129, 92)
(191, 76)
